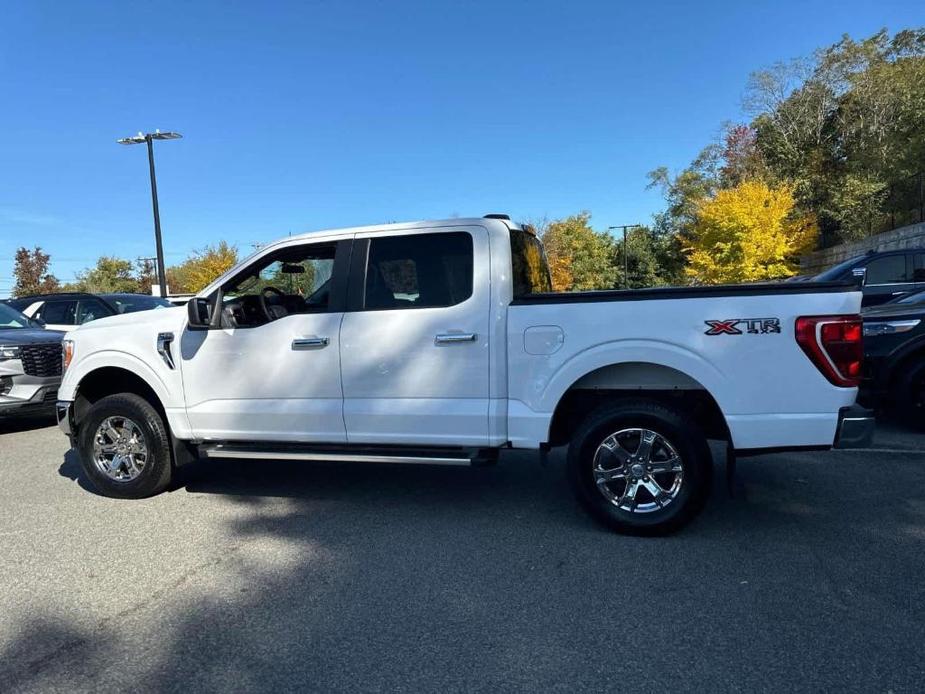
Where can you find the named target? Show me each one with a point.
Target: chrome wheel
(638, 470)
(119, 449)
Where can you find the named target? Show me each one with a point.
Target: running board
(420, 456)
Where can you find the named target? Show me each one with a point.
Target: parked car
(68, 309)
(440, 342)
(894, 358)
(884, 275)
(30, 364)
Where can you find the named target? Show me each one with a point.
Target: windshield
(835, 273)
(11, 318)
(127, 303)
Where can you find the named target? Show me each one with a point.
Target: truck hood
(28, 336)
(167, 317)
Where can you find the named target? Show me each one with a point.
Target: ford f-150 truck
(442, 343)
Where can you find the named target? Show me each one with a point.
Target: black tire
(909, 406)
(154, 475)
(683, 436)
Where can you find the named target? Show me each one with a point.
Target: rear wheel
(124, 447)
(640, 468)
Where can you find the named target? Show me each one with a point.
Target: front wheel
(640, 468)
(124, 447)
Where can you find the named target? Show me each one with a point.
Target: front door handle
(446, 338)
(303, 343)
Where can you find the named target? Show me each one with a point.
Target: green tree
(579, 257)
(110, 274)
(30, 269)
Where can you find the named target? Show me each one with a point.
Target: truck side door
(271, 370)
(415, 338)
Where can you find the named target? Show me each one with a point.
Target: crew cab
(442, 343)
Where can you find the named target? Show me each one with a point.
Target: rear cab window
(530, 270)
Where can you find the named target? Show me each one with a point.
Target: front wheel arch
(114, 380)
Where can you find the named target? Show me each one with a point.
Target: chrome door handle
(446, 338)
(302, 343)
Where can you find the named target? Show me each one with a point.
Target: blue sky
(307, 115)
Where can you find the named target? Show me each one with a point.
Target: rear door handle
(446, 338)
(303, 343)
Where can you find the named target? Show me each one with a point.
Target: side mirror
(38, 321)
(860, 275)
(199, 312)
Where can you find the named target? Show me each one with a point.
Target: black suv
(894, 357)
(885, 275)
(68, 309)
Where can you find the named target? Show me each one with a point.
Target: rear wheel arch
(635, 381)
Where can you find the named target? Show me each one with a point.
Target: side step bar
(421, 456)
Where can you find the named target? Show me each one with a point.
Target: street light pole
(148, 138)
(626, 276)
(161, 272)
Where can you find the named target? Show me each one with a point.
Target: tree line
(111, 274)
(830, 140)
(834, 141)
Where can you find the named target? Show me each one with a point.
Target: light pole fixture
(149, 139)
(626, 276)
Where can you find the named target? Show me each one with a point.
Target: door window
(418, 271)
(91, 309)
(58, 312)
(888, 270)
(295, 279)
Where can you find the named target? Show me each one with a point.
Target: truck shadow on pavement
(402, 577)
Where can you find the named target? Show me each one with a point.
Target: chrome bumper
(855, 427)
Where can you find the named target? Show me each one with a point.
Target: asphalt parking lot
(268, 576)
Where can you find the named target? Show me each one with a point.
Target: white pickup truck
(441, 343)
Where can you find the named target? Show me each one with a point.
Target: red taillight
(834, 344)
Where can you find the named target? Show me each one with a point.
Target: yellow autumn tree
(748, 233)
(202, 267)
